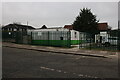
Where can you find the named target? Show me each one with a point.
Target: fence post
(22, 34)
(79, 40)
(16, 38)
(91, 39)
(31, 38)
(68, 39)
(118, 42)
(90, 43)
(48, 39)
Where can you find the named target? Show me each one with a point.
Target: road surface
(21, 63)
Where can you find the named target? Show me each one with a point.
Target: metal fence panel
(108, 40)
(13, 36)
(85, 40)
(51, 38)
(8, 36)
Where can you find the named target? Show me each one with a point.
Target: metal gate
(86, 40)
(106, 40)
(13, 36)
(8, 36)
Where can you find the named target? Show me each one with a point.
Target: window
(61, 38)
(15, 29)
(39, 33)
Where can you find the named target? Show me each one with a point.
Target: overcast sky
(53, 14)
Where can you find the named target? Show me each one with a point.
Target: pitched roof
(102, 26)
(51, 27)
(44, 27)
(18, 26)
(68, 27)
(54, 28)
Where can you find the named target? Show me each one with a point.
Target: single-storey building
(55, 36)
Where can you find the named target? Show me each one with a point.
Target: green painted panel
(74, 42)
(63, 43)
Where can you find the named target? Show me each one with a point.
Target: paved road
(21, 63)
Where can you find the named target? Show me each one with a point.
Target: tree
(43, 27)
(86, 22)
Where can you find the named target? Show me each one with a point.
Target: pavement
(73, 51)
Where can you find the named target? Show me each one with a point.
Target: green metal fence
(13, 36)
(8, 36)
(110, 41)
(51, 38)
(86, 40)
(63, 39)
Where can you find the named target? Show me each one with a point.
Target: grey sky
(56, 13)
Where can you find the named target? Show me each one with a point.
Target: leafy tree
(86, 22)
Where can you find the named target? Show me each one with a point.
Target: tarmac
(72, 51)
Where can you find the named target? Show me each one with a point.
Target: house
(15, 32)
(16, 27)
(103, 27)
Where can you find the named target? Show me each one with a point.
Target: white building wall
(51, 34)
(62, 32)
(59, 29)
(74, 35)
